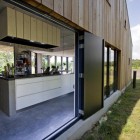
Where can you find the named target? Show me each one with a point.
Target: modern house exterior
(88, 45)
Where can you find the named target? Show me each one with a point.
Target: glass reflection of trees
(105, 70)
(111, 69)
(45, 61)
(52, 61)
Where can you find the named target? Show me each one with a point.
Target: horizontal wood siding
(100, 18)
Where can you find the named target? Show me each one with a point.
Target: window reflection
(105, 70)
(52, 61)
(45, 61)
(64, 65)
(111, 69)
(58, 64)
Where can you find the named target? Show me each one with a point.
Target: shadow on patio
(122, 120)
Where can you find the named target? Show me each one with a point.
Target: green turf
(123, 119)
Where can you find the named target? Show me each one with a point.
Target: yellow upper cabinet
(8, 23)
(58, 37)
(39, 30)
(54, 36)
(45, 32)
(33, 29)
(27, 27)
(50, 34)
(19, 24)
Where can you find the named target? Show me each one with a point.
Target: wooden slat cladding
(75, 11)
(99, 17)
(68, 9)
(90, 14)
(81, 13)
(58, 6)
(48, 3)
(96, 16)
(86, 14)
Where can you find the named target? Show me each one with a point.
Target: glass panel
(116, 71)
(64, 65)
(70, 65)
(45, 61)
(58, 64)
(52, 61)
(111, 69)
(33, 62)
(6, 59)
(105, 71)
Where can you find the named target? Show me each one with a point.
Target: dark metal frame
(77, 85)
(80, 70)
(103, 73)
(115, 73)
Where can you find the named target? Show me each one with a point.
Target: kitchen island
(21, 92)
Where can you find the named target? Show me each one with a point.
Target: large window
(51, 97)
(59, 63)
(110, 70)
(52, 61)
(6, 57)
(45, 61)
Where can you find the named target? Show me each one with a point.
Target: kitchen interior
(37, 75)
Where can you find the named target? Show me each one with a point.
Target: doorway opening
(46, 97)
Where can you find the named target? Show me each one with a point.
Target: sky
(134, 17)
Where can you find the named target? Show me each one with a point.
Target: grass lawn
(122, 121)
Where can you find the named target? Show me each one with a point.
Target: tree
(6, 57)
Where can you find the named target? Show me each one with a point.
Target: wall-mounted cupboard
(26, 27)
(45, 32)
(19, 24)
(8, 23)
(39, 30)
(33, 27)
(23, 26)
